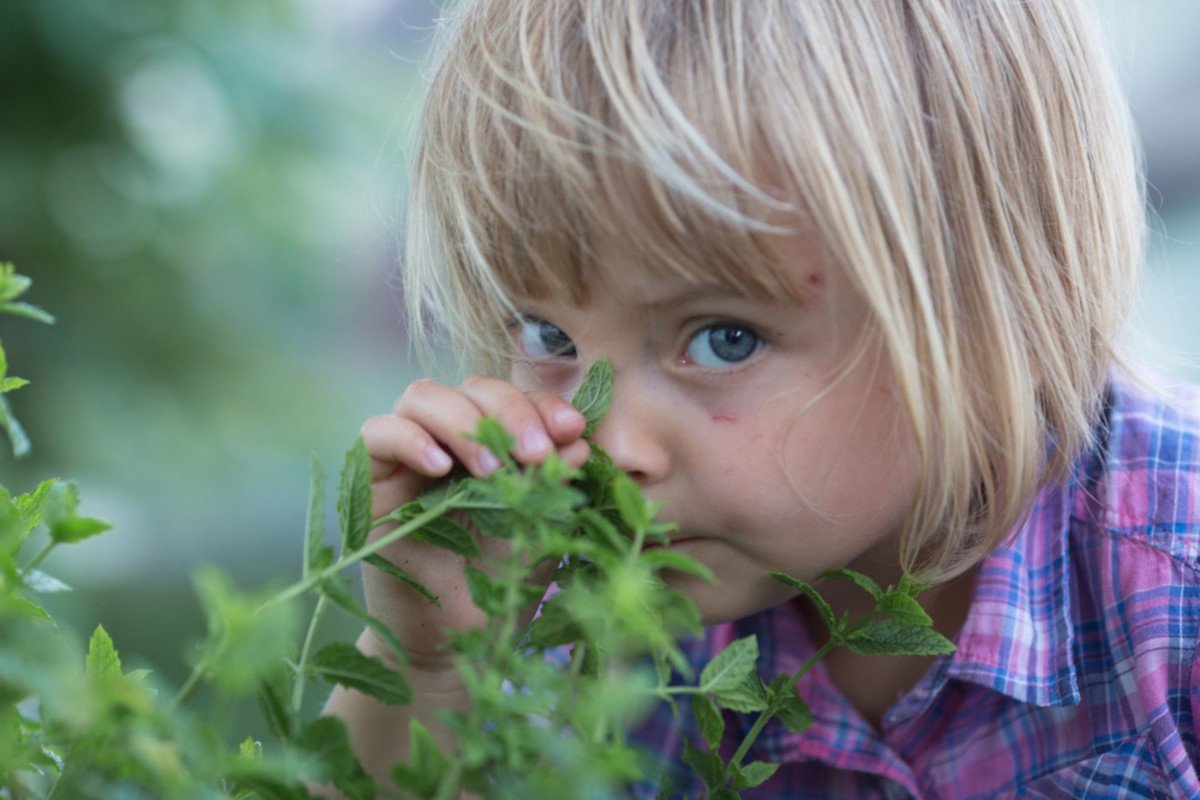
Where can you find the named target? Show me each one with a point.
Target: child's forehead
(793, 270)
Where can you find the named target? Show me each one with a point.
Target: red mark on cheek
(723, 418)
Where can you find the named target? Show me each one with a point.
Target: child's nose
(634, 434)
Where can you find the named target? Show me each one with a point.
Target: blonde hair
(969, 164)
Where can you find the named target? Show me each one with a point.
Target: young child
(860, 267)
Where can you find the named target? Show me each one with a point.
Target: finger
(564, 423)
(395, 443)
(515, 411)
(575, 453)
(450, 417)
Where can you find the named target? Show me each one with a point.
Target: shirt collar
(1018, 638)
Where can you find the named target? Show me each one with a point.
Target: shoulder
(1141, 481)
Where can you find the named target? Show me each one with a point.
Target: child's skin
(763, 456)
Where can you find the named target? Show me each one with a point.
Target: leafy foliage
(552, 699)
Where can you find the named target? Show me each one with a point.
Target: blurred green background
(205, 193)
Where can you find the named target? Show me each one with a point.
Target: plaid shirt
(1076, 673)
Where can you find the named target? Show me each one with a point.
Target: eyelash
(518, 330)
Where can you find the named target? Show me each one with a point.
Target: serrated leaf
(709, 720)
(594, 396)
(426, 765)
(487, 594)
(354, 497)
(813, 596)
(794, 713)
(325, 739)
(661, 558)
(911, 587)
(250, 750)
(893, 638)
(381, 563)
(12, 283)
(335, 589)
(860, 580)
(754, 774)
(731, 667)
(314, 523)
(904, 609)
(274, 705)
(491, 434)
(102, 658)
(76, 529)
(449, 535)
(708, 765)
(749, 695)
(342, 663)
(630, 503)
(10, 384)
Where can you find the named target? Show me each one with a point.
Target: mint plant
(553, 698)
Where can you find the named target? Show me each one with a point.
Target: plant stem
(189, 686)
(416, 523)
(836, 639)
(301, 678)
(39, 558)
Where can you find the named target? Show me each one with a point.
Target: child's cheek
(723, 418)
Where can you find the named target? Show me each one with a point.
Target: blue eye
(722, 345)
(541, 339)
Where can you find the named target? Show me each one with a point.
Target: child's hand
(422, 440)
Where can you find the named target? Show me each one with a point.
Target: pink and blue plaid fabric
(1076, 673)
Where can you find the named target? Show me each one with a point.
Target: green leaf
(16, 434)
(273, 702)
(749, 695)
(314, 523)
(863, 582)
(894, 638)
(813, 596)
(342, 663)
(381, 563)
(449, 535)
(661, 558)
(11, 384)
(70, 531)
(708, 765)
(335, 589)
(245, 642)
(27, 311)
(487, 594)
(794, 713)
(32, 505)
(731, 667)
(12, 283)
(61, 516)
(44, 583)
(325, 739)
(491, 434)
(754, 774)
(911, 587)
(630, 504)
(594, 395)
(102, 658)
(709, 720)
(426, 765)
(903, 608)
(354, 497)
(250, 750)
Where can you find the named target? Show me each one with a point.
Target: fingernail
(436, 459)
(566, 417)
(488, 463)
(534, 441)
